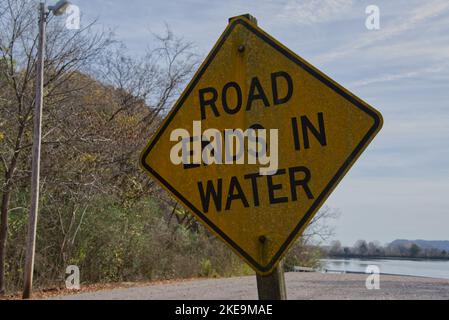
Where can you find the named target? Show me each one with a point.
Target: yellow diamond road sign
(315, 127)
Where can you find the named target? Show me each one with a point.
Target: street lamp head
(59, 8)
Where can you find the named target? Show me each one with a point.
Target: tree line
(374, 249)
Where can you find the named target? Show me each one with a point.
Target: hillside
(424, 244)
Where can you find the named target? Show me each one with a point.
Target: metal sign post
(35, 172)
(58, 9)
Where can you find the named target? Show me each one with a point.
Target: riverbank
(403, 267)
(386, 258)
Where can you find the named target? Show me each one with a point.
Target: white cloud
(314, 11)
(426, 48)
(415, 17)
(400, 76)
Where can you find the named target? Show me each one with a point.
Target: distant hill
(424, 244)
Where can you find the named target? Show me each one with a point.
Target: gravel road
(299, 286)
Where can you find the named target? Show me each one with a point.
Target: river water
(423, 268)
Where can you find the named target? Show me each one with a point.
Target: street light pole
(36, 156)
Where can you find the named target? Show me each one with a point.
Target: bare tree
(92, 131)
(144, 88)
(67, 52)
(361, 247)
(320, 227)
(335, 248)
(305, 251)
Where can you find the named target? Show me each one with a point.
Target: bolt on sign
(257, 142)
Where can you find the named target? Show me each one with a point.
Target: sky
(399, 187)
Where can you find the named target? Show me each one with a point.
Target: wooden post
(247, 16)
(272, 286)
